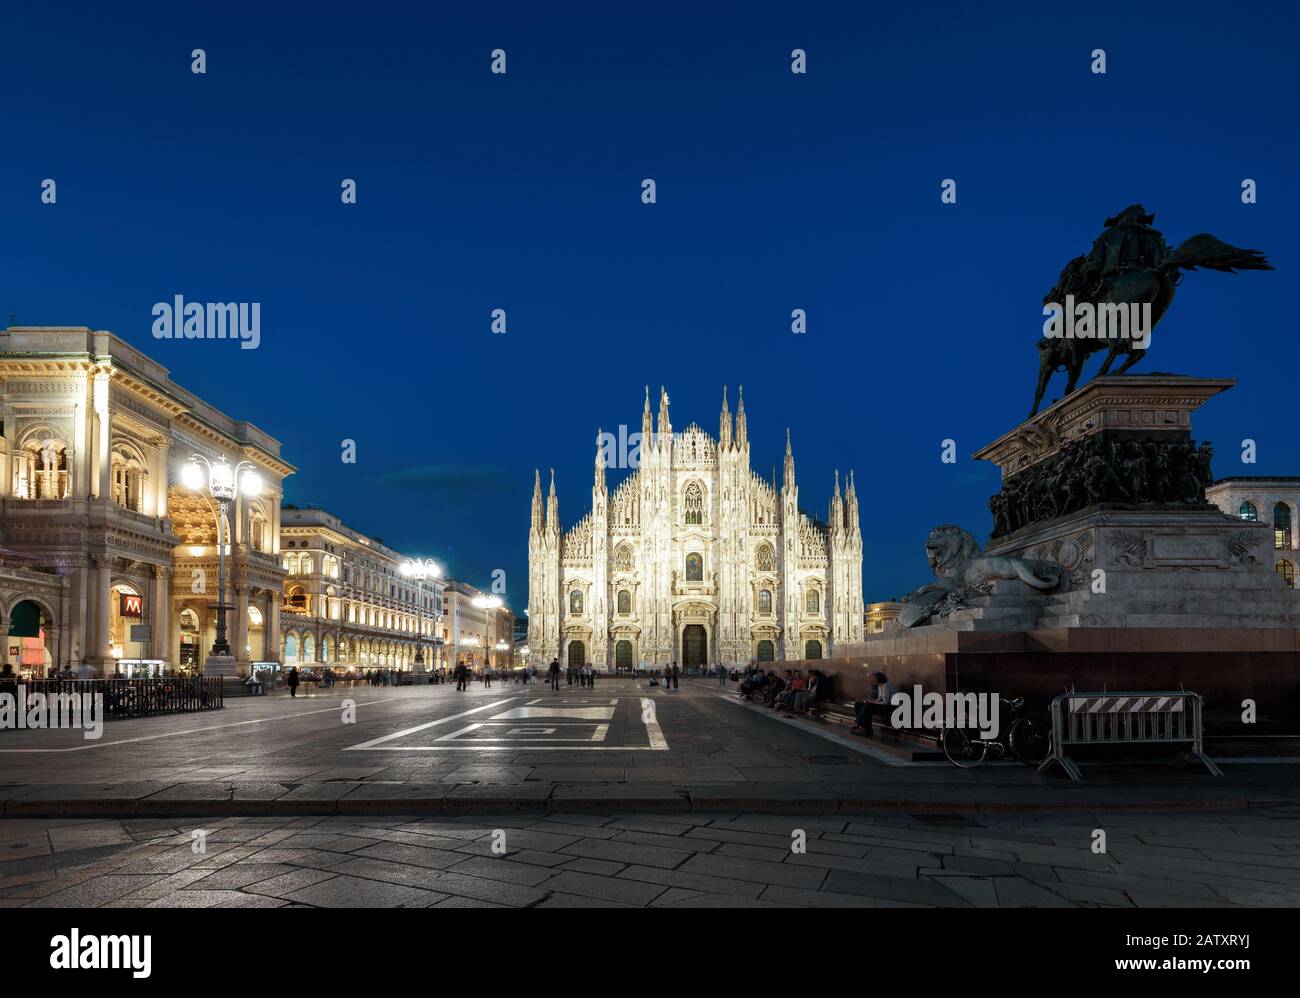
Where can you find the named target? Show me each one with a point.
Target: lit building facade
(1266, 500)
(106, 558)
(349, 603)
(694, 559)
(473, 632)
(880, 615)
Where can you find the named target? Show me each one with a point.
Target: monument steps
(1181, 602)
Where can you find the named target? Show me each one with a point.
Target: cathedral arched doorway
(623, 656)
(695, 646)
(577, 654)
(766, 651)
(812, 649)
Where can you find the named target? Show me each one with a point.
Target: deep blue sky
(521, 192)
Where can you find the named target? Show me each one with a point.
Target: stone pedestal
(220, 665)
(1158, 589)
(1109, 484)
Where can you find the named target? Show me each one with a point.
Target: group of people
(670, 676)
(584, 675)
(790, 692)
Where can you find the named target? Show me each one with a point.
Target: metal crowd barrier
(1162, 718)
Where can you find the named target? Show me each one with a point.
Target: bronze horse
(1128, 265)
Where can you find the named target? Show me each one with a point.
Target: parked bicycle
(1023, 739)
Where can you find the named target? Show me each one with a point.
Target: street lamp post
(421, 570)
(223, 483)
(487, 603)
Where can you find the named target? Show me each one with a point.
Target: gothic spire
(537, 499)
(552, 508)
(788, 482)
(665, 424)
(600, 462)
(724, 423)
(742, 427)
(647, 422)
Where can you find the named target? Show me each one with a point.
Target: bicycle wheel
(961, 749)
(1028, 741)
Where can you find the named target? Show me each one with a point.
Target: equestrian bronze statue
(1130, 267)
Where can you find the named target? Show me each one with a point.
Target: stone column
(274, 545)
(161, 477)
(103, 443)
(239, 626)
(162, 614)
(99, 655)
(271, 628)
(79, 463)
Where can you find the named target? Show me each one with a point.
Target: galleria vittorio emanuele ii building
(109, 560)
(693, 558)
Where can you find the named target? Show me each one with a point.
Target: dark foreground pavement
(620, 747)
(746, 860)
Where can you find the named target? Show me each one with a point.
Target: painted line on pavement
(421, 727)
(193, 731)
(654, 733)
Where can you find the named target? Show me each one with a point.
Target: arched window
(694, 568)
(308, 649)
(305, 566)
(812, 649)
(40, 468)
(624, 601)
(128, 480)
(258, 533)
(623, 558)
(764, 559)
(765, 601)
(1287, 570)
(1282, 527)
(813, 604)
(1247, 511)
(296, 600)
(290, 649)
(694, 503)
(575, 603)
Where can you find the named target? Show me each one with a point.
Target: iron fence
(131, 697)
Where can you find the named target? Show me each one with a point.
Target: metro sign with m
(131, 606)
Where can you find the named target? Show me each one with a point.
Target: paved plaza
(619, 795)
(620, 746)
(673, 861)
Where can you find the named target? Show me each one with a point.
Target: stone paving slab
(596, 860)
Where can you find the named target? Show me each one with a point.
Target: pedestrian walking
(487, 676)
(554, 672)
(673, 673)
(293, 681)
(461, 672)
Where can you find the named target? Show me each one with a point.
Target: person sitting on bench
(799, 704)
(821, 689)
(751, 683)
(774, 685)
(880, 702)
(796, 685)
